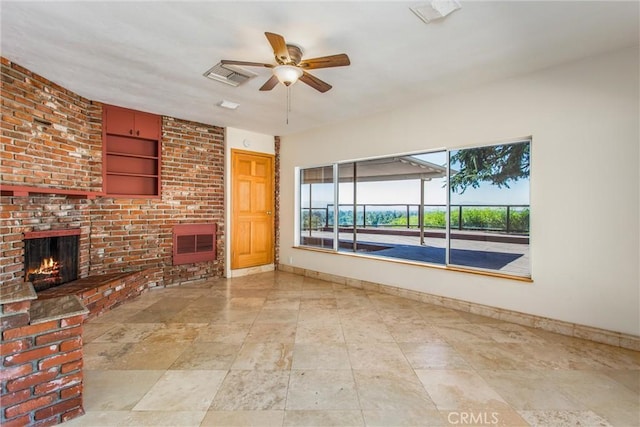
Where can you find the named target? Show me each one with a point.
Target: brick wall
(51, 137)
(41, 372)
(276, 222)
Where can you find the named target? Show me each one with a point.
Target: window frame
(447, 231)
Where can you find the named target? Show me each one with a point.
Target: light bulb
(287, 74)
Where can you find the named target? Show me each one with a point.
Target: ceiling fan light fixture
(287, 74)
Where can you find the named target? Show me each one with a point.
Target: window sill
(420, 264)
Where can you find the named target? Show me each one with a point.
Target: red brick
(11, 399)
(71, 344)
(15, 372)
(29, 406)
(60, 359)
(74, 390)
(74, 413)
(17, 422)
(25, 331)
(58, 408)
(58, 335)
(58, 383)
(16, 307)
(47, 422)
(32, 379)
(15, 346)
(72, 321)
(88, 293)
(71, 366)
(14, 321)
(26, 356)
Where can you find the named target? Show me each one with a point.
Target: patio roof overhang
(387, 169)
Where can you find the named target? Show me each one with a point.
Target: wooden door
(252, 209)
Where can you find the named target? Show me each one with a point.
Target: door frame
(231, 151)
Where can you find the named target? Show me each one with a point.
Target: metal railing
(510, 219)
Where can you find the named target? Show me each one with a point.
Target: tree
(498, 164)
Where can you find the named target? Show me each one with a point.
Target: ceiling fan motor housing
(295, 54)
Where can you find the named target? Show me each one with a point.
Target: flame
(47, 266)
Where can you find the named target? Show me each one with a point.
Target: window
(466, 208)
(316, 201)
(489, 208)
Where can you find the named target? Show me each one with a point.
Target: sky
(408, 192)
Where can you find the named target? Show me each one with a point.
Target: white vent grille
(229, 74)
(435, 9)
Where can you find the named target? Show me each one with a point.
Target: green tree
(498, 165)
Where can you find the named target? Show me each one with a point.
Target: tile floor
(277, 349)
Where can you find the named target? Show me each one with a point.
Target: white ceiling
(151, 55)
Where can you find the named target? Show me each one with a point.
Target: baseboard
(252, 270)
(575, 330)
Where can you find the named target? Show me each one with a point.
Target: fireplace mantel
(52, 233)
(25, 191)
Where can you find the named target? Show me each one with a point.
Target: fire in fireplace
(51, 257)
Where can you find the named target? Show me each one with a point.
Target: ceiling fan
(290, 66)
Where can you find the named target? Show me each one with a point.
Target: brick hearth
(100, 294)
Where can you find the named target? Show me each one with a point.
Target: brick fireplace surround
(51, 179)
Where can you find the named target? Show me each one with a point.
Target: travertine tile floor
(277, 349)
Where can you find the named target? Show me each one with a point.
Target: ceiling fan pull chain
(288, 102)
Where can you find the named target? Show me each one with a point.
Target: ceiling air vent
(229, 74)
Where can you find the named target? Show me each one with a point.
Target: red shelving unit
(131, 152)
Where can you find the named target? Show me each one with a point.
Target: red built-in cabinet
(131, 152)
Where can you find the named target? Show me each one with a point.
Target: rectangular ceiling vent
(435, 9)
(229, 74)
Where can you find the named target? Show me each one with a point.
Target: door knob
(268, 212)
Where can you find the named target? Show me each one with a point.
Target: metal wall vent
(229, 74)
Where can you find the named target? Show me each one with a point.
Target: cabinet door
(119, 121)
(147, 126)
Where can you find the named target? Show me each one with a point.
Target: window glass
(316, 212)
(489, 205)
(346, 207)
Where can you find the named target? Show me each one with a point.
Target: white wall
(239, 139)
(583, 118)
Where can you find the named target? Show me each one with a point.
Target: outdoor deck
(466, 249)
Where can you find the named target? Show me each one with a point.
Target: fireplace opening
(51, 258)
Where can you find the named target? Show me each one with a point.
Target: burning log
(45, 276)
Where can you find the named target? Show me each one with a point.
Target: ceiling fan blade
(279, 47)
(270, 84)
(315, 82)
(339, 60)
(246, 63)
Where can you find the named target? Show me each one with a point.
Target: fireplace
(51, 257)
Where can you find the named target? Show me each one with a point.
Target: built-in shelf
(131, 152)
(135, 156)
(133, 174)
(25, 191)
